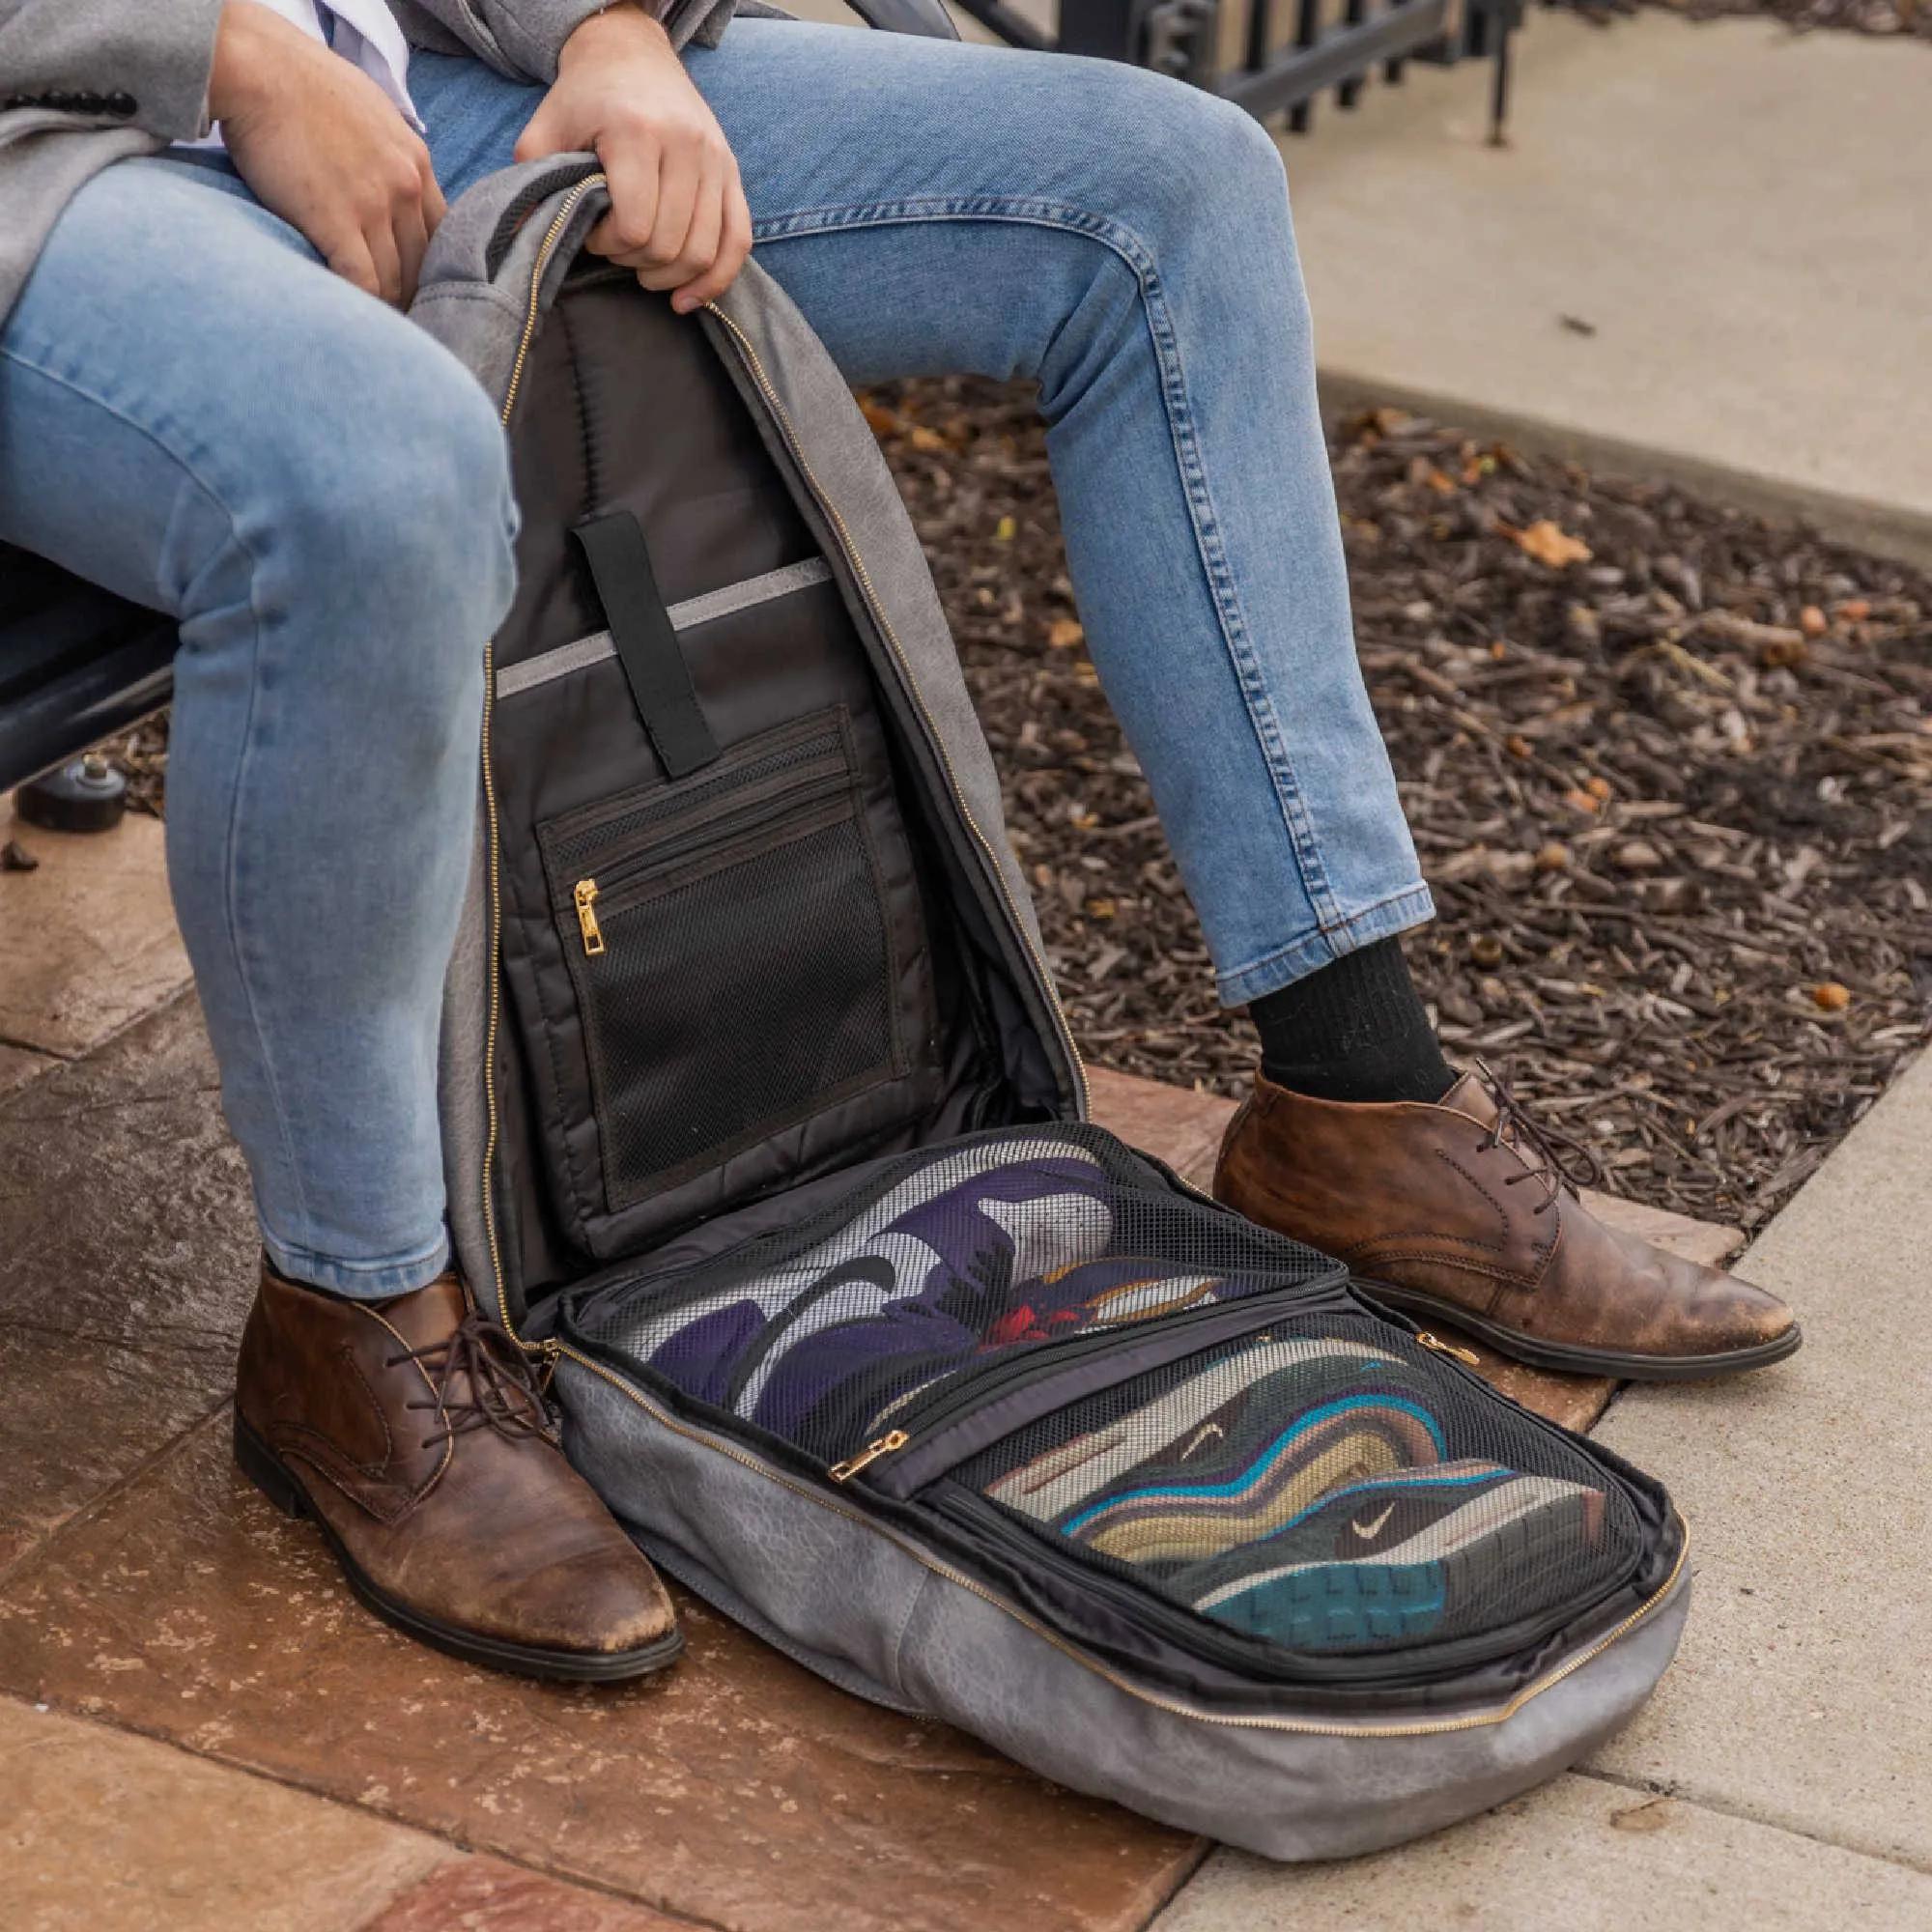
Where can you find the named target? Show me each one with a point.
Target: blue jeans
(195, 413)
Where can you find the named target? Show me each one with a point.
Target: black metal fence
(1278, 56)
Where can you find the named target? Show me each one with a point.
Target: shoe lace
(1557, 1159)
(504, 1393)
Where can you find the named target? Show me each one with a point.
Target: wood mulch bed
(1671, 795)
(1668, 766)
(1858, 17)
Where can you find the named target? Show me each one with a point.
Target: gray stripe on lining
(685, 617)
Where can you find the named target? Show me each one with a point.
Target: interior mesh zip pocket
(1326, 1486)
(728, 943)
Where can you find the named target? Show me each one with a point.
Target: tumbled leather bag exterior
(764, 1125)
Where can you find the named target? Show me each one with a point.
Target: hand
(678, 214)
(325, 148)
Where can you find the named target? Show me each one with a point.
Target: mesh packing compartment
(1326, 1486)
(974, 1330)
(983, 1253)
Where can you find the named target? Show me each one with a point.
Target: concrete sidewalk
(1734, 220)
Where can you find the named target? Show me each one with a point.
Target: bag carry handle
(647, 646)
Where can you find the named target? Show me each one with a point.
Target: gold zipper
(1478, 1720)
(544, 252)
(1466, 1356)
(585, 896)
(865, 582)
(844, 1472)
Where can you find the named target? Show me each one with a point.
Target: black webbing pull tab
(647, 648)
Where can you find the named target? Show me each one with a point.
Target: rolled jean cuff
(361, 1281)
(1302, 957)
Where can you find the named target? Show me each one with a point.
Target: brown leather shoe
(413, 1431)
(1465, 1212)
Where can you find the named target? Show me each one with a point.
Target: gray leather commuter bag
(764, 1125)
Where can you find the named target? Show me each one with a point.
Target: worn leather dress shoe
(1465, 1211)
(413, 1434)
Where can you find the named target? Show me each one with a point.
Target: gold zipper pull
(587, 917)
(550, 1349)
(1468, 1357)
(844, 1472)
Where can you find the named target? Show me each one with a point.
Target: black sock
(1355, 1030)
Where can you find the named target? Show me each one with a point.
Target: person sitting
(212, 403)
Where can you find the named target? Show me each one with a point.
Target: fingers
(387, 254)
(352, 259)
(412, 238)
(662, 262)
(677, 218)
(415, 222)
(702, 238)
(434, 207)
(734, 247)
(633, 170)
(397, 224)
(538, 140)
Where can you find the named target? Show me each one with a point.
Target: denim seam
(371, 1280)
(1376, 920)
(1134, 250)
(155, 435)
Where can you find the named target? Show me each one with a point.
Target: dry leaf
(927, 439)
(1652, 1815)
(1006, 530)
(1813, 621)
(881, 420)
(1550, 543)
(1832, 997)
(1064, 633)
(1855, 610)
(1553, 858)
(1518, 746)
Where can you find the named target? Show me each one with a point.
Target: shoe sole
(1574, 1358)
(287, 1492)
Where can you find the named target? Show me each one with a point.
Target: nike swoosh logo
(1201, 1436)
(1374, 1529)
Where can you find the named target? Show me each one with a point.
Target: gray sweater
(87, 82)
